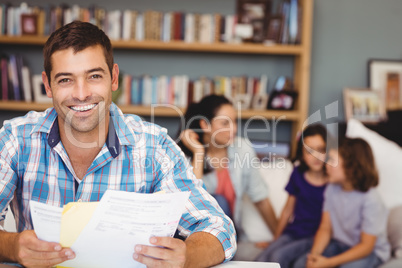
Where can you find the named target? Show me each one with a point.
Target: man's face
(81, 88)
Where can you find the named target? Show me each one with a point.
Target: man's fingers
(47, 259)
(148, 261)
(63, 254)
(31, 241)
(167, 242)
(155, 252)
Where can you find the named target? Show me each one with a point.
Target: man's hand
(166, 252)
(32, 252)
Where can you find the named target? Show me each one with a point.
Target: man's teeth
(83, 108)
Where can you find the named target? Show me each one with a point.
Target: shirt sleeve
(291, 187)
(374, 214)
(327, 198)
(202, 213)
(8, 175)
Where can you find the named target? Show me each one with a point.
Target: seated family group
(85, 145)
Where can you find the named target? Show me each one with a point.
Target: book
(26, 83)
(13, 76)
(4, 78)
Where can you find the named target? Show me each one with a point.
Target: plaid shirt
(137, 157)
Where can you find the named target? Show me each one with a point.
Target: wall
(346, 34)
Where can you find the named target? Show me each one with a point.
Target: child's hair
(206, 109)
(311, 130)
(358, 163)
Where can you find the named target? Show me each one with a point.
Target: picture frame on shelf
(282, 100)
(242, 101)
(386, 76)
(39, 91)
(254, 12)
(274, 29)
(259, 102)
(364, 104)
(29, 24)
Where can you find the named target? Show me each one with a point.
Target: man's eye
(96, 76)
(64, 80)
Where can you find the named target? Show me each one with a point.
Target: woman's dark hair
(79, 36)
(206, 109)
(358, 163)
(311, 130)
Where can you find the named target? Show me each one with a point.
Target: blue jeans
(285, 250)
(223, 203)
(335, 248)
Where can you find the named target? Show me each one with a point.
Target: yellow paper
(74, 218)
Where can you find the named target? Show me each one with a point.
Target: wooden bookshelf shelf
(247, 48)
(301, 55)
(159, 111)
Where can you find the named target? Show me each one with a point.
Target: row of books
(180, 91)
(17, 83)
(118, 24)
(284, 27)
(15, 79)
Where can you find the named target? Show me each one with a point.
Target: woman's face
(223, 127)
(314, 152)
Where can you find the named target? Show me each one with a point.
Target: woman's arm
(285, 215)
(361, 250)
(267, 212)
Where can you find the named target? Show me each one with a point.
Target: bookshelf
(301, 55)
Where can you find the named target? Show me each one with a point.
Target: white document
(46, 221)
(121, 221)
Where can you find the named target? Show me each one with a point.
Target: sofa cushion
(276, 175)
(395, 231)
(388, 159)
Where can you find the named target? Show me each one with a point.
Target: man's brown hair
(79, 36)
(358, 163)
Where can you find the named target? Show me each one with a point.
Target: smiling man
(84, 146)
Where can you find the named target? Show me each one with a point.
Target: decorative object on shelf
(29, 24)
(242, 101)
(365, 105)
(386, 76)
(283, 83)
(274, 29)
(260, 102)
(283, 96)
(282, 100)
(39, 91)
(254, 12)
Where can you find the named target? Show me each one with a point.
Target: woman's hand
(317, 261)
(190, 139)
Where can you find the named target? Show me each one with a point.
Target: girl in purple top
(301, 215)
(352, 233)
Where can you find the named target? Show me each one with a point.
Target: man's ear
(115, 77)
(45, 81)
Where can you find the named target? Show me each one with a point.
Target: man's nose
(81, 90)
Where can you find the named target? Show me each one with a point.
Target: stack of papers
(104, 234)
